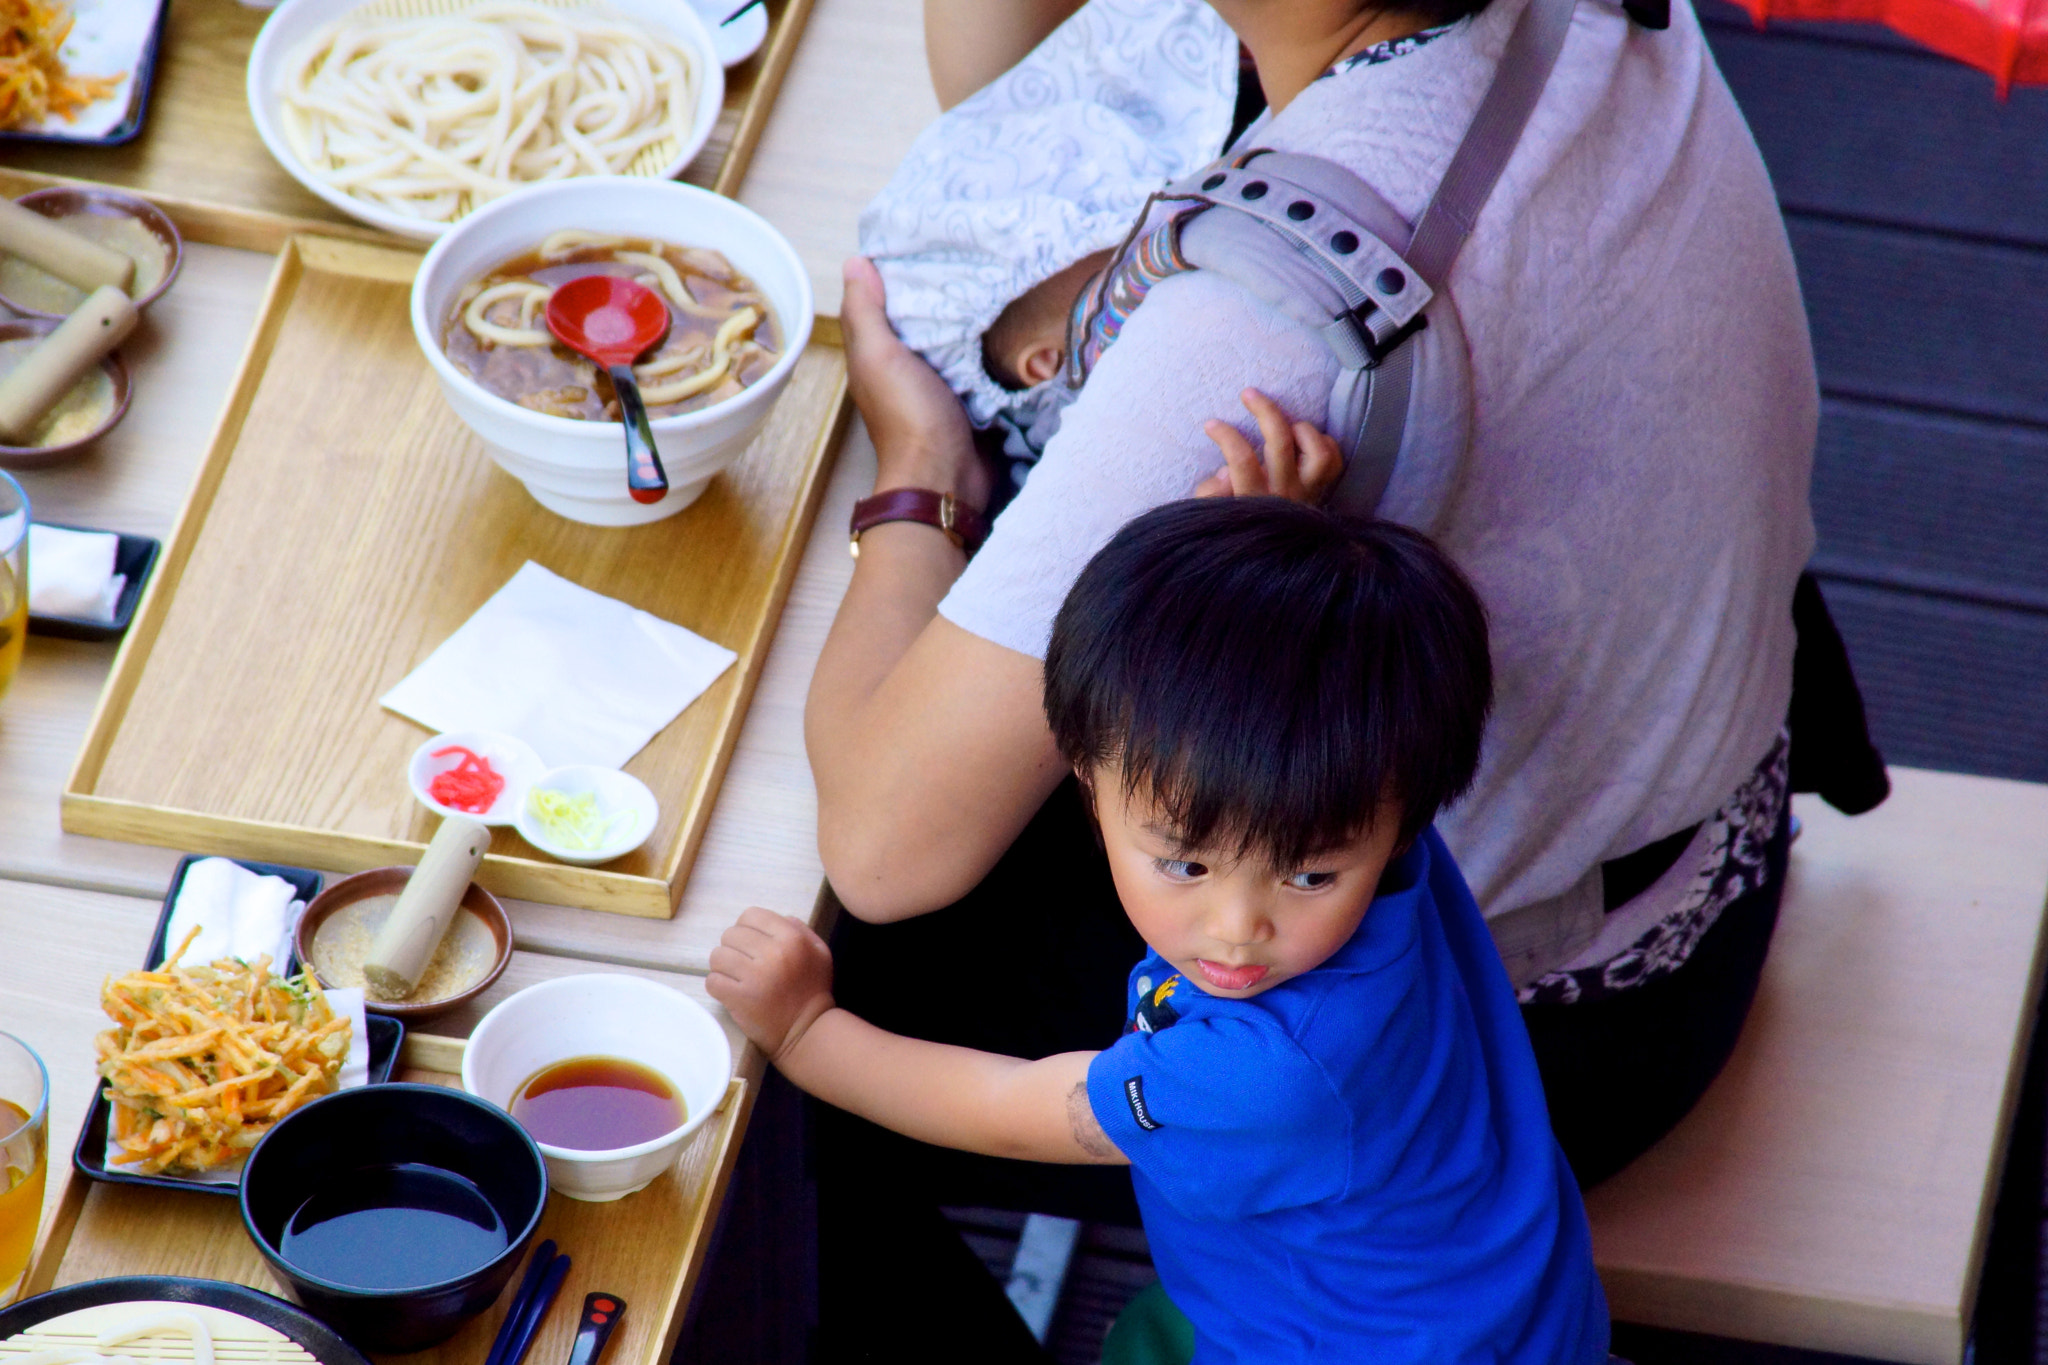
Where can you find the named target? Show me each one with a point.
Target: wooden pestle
(68, 256)
(425, 909)
(47, 373)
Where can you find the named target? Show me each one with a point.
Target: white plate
(108, 38)
(615, 792)
(512, 757)
(294, 20)
(738, 40)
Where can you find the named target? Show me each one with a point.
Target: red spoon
(614, 322)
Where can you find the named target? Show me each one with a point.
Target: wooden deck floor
(1918, 209)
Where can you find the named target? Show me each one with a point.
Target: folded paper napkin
(240, 914)
(355, 1071)
(579, 676)
(71, 573)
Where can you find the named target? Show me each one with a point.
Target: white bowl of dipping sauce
(295, 21)
(577, 468)
(610, 1018)
(623, 803)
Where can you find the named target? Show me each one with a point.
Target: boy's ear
(1040, 363)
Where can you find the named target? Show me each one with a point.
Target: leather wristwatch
(961, 524)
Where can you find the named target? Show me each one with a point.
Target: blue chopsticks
(544, 1276)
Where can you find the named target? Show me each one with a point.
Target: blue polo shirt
(1357, 1164)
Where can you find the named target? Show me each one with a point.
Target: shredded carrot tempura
(33, 81)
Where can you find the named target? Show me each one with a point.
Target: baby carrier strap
(1354, 272)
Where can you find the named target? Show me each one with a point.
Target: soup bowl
(414, 1288)
(575, 468)
(603, 1015)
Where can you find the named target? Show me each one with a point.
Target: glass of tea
(13, 587)
(24, 1158)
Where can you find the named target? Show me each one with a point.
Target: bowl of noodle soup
(575, 466)
(411, 114)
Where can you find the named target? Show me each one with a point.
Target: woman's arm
(774, 976)
(928, 744)
(927, 738)
(968, 43)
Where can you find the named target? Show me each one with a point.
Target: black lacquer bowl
(383, 1126)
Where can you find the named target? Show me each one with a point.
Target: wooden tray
(342, 525)
(199, 157)
(647, 1248)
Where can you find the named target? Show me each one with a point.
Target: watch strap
(961, 524)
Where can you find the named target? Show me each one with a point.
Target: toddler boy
(1335, 1126)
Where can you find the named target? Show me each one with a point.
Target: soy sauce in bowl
(598, 1104)
(393, 1227)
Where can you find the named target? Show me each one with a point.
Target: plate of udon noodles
(410, 114)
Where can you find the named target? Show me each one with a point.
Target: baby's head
(1267, 704)
(1027, 343)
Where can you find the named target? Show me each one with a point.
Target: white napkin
(71, 573)
(581, 677)
(355, 1071)
(241, 914)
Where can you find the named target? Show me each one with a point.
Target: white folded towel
(240, 914)
(71, 573)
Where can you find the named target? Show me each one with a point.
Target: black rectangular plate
(89, 1158)
(138, 99)
(135, 557)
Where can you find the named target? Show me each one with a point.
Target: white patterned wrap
(1042, 167)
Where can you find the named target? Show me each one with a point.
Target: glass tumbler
(24, 1158)
(13, 593)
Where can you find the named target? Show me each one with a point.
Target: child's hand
(774, 976)
(1301, 463)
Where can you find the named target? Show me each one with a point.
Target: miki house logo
(1134, 1091)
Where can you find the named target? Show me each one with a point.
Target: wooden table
(73, 909)
(1832, 1190)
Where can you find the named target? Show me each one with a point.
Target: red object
(2006, 38)
(611, 320)
(471, 785)
(614, 321)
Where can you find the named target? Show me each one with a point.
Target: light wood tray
(343, 524)
(199, 158)
(647, 1248)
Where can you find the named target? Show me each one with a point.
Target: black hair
(1437, 13)
(1269, 674)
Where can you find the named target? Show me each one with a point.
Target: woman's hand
(1301, 464)
(921, 434)
(774, 976)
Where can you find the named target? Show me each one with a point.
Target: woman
(1611, 433)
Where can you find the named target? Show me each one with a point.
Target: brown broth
(555, 380)
(598, 1104)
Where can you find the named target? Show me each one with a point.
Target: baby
(1335, 1126)
(1012, 200)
